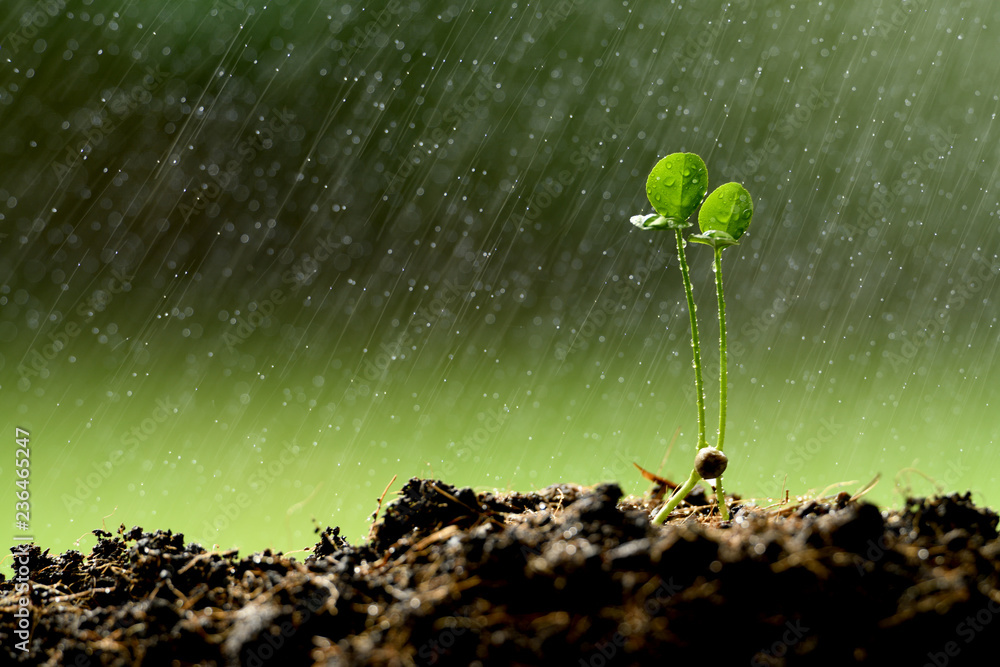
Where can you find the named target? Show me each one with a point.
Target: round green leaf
(728, 209)
(676, 186)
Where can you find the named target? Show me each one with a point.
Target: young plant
(723, 219)
(675, 187)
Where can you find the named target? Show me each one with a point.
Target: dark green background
(310, 247)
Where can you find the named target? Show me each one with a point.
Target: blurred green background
(255, 262)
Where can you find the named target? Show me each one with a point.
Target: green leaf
(725, 215)
(715, 238)
(676, 186)
(649, 221)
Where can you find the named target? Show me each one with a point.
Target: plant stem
(723, 379)
(723, 370)
(682, 491)
(695, 345)
(679, 494)
(721, 497)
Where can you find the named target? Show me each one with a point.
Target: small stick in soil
(90, 532)
(824, 492)
(670, 448)
(437, 536)
(867, 487)
(296, 507)
(382, 497)
(908, 491)
(653, 477)
(476, 510)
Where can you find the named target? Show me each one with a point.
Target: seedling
(675, 187)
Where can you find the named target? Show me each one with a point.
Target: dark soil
(566, 576)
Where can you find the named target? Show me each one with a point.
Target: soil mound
(568, 575)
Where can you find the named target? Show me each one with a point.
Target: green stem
(723, 370)
(723, 379)
(695, 345)
(682, 491)
(721, 497)
(678, 495)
